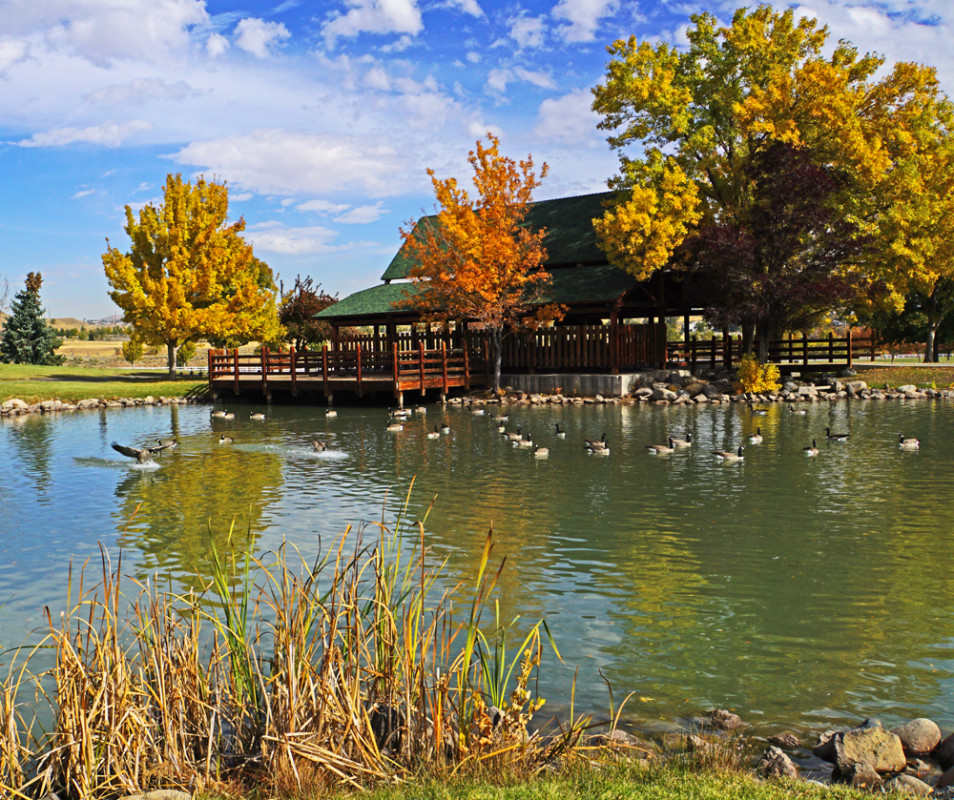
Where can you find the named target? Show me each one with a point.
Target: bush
(184, 353)
(754, 377)
(132, 350)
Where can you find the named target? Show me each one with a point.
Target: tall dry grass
(286, 675)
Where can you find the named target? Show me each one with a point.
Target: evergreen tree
(27, 339)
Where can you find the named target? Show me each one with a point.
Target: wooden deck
(356, 369)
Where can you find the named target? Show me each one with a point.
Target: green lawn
(940, 377)
(70, 384)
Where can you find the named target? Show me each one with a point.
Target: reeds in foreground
(284, 675)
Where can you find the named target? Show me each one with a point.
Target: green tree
(689, 124)
(189, 274)
(27, 339)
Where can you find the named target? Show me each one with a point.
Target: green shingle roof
(375, 301)
(570, 238)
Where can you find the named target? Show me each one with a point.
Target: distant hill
(74, 322)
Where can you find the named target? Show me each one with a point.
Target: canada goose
(257, 416)
(759, 412)
(756, 438)
(835, 437)
(219, 414)
(478, 412)
(687, 442)
(223, 439)
(399, 413)
(560, 432)
(811, 451)
(141, 454)
(501, 428)
(394, 426)
(526, 441)
(594, 445)
(434, 434)
(331, 413)
(445, 428)
(228, 415)
(160, 445)
(793, 410)
(661, 449)
(541, 452)
(908, 444)
(502, 418)
(421, 410)
(515, 437)
(729, 455)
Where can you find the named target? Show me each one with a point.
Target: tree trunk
(766, 334)
(496, 345)
(171, 349)
(748, 337)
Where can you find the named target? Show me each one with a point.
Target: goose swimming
(661, 449)
(729, 455)
(835, 437)
(908, 444)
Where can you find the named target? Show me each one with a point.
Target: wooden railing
(725, 351)
(418, 368)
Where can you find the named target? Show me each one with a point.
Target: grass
(286, 677)
(70, 384)
(923, 376)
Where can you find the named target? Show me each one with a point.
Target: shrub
(755, 377)
(132, 350)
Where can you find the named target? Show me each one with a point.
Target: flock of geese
(397, 418)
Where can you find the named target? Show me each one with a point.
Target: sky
(322, 116)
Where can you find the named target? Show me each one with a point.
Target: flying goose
(661, 449)
(160, 445)
(141, 454)
(729, 455)
(319, 446)
(811, 451)
(835, 437)
(756, 438)
(687, 442)
(908, 444)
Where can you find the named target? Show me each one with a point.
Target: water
(801, 592)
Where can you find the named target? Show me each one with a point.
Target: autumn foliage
(475, 260)
(189, 274)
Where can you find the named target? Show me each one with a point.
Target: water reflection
(803, 592)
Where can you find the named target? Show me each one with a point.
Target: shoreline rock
(15, 407)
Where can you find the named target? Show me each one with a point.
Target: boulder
(825, 747)
(919, 736)
(719, 719)
(863, 776)
(775, 765)
(944, 752)
(14, 403)
(908, 784)
(786, 740)
(874, 746)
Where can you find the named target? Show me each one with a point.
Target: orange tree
(476, 260)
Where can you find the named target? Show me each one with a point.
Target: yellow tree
(189, 274)
(476, 260)
(700, 117)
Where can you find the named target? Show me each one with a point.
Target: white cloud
(471, 7)
(377, 78)
(275, 237)
(258, 36)
(110, 134)
(278, 162)
(542, 79)
(82, 193)
(139, 91)
(102, 31)
(568, 119)
(583, 17)
(473, 57)
(362, 215)
(216, 45)
(528, 32)
(11, 51)
(497, 80)
(375, 16)
(323, 207)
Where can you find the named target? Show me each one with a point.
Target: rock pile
(16, 406)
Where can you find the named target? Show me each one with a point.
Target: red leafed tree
(476, 260)
(298, 309)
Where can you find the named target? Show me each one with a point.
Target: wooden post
(291, 366)
(420, 355)
(264, 370)
(712, 351)
(848, 344)
(396, 368)
(324, 368)
(466, 367)
(693, 355)
(726, 349)
(357, 352)
(804, 349)
(831, 347)
(235, 367)
(444, 366)
(209, 357)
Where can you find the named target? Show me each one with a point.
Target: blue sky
(321, 116)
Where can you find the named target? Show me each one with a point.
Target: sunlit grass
(70, 384)
(287, 675)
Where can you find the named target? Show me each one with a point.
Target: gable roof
(570, 239)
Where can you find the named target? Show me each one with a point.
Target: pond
(802, 592)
